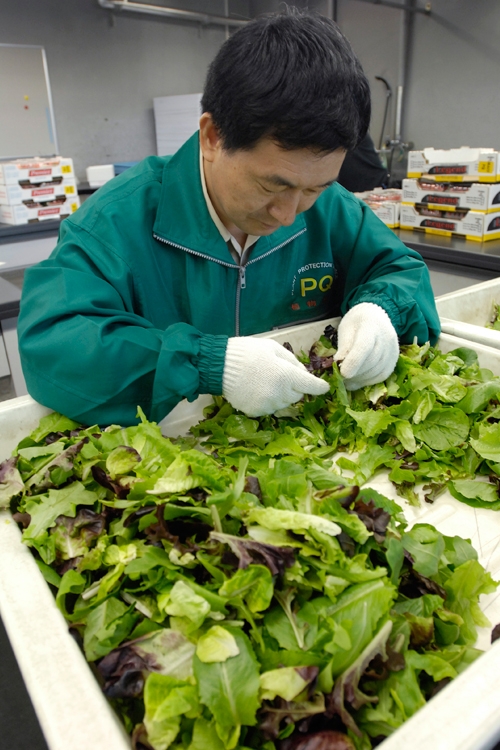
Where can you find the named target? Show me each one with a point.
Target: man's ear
(210, 141)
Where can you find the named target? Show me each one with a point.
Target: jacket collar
(183, 219)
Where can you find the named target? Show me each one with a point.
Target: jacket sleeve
(379, 268)
(87, 354)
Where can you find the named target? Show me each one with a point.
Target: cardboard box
(30, 171)
(387, 212)
(455, 164)
(384, 203)
(14, 195)
(69, 703)
(452, 196)
(474, 225)
(99, 175)
(32, 212)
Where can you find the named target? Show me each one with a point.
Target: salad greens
(495, 319)
(434, 423)
(247, 595)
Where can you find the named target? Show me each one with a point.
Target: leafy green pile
(434, 422)
(495, 319)
(249, 597)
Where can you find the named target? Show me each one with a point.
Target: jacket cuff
(386, 304)
(211, 363)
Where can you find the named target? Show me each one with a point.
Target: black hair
(292, 77)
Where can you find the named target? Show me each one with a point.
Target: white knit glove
(260, 377)
(368, 346)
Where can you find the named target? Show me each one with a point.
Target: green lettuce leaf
(56, 503)
(347, 686)
(122, 460)
(446, 387)
(184, 602)
(432, 664)
(107, 626)
(275, 519)
(11, 482)
(426, 545)
(205, 736)
(166, 701)
(463, 588)
(188, 470)
(167, 652)
(443, 428)
(478, 396)
(286, 682)
(216, 645)
(253, 584)
(54, 422)
(488, 442)
(484, 493)
(359, 610)
(371, 421)
(230, 689)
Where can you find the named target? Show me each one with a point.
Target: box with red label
(30, 171)
(474, 225)
(455, 164)
(384, 203)
(40, 192)
(452, 195)
(27, 213)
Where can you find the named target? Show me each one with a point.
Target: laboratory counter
(450, 250)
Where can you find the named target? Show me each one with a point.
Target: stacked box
(27, 213)
(34, 190)
(473, 225)
(384, 203)
(14, 195)
(451, 196)
(453, 192)
(35, 171)
(455, 164)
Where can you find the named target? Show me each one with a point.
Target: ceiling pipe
(426, 10)
(205, 19)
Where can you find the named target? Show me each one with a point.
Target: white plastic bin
(466, 312)
(74, 714)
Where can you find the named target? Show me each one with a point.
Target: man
(159, 281)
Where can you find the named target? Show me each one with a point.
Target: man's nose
(284, 209)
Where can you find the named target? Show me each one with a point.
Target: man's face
(259, 190)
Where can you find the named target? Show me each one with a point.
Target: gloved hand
(368, 347)
(260, 377)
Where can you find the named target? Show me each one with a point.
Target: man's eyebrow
(282, 182)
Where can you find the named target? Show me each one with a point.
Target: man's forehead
(279, 181)
(293, 168)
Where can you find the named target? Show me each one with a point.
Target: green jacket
(136, 302)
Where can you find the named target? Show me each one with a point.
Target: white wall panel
(105, 69)
(375, 33)
(455, 74)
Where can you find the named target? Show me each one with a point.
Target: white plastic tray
(74, 714)
(466, 312)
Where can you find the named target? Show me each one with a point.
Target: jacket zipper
(241, 268)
